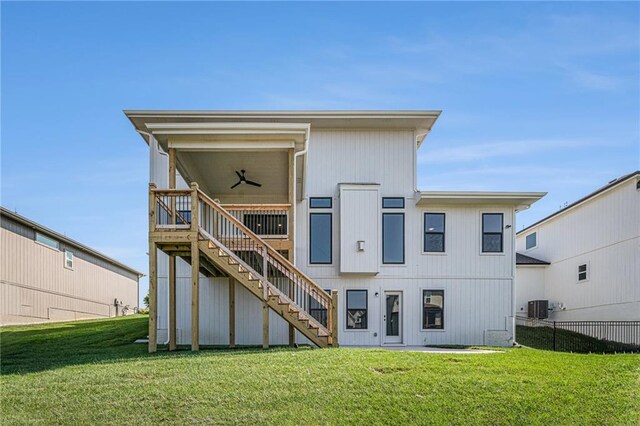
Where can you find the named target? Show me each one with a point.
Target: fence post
(554, 336)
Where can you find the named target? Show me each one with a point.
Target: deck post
(232, 313)
(172, 303)
(172, 182)
(334, 318)
(195, 271)
(153, 275)
(265, 325)
(291, 231)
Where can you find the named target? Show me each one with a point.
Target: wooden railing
(174, 210)
(264, 220)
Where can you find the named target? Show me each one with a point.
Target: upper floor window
(47, 241)
(492, 232)
(531, 240)
(357, 309)
(434, 232)
(393, 238)
(582, 272)
(393, 203)
(68, 259)
(320, 231)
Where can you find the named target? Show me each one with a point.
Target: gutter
(295, 186)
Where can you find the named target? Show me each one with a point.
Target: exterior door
(392, 317)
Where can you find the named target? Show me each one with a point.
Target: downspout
(304, 151)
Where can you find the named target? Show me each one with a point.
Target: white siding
(359, 216)
(529, 286)
(604, 233)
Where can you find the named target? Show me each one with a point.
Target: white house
(585, 258)
(309, 227)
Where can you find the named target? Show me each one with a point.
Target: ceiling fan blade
(239, 175)
(249, 182)
(236, 184)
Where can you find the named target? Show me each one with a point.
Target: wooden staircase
(222, 241)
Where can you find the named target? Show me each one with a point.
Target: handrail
(292, 268)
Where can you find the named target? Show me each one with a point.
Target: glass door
(392, 317)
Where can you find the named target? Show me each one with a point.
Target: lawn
(90, 372)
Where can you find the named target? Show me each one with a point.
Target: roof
(44, 230)
(522, 259)
(419, 120)
(522, 200)
(584, 199)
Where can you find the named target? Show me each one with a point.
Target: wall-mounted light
(360, 245)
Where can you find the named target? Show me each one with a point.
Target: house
(46, 276)
(585, 258)
(284, 227)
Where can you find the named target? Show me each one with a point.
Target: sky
(535, 96)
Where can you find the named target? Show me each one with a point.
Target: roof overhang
(519, 200)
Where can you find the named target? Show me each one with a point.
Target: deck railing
(264, 220)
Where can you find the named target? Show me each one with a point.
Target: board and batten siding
(604, 233)
(36, 287)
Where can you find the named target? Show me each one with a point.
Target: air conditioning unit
(538, 309)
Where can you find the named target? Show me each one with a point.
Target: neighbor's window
(357, 309)
(393, 203)
(492, 232)
(68, 259)
(50, 242)
(582, 272)
(393, 238)
(531, 240)
(433, 309)
(434, 232)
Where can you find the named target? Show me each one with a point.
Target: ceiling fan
(243, 179)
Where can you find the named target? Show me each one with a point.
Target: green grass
(567, 341)
(90, 372)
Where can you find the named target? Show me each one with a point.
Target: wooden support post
(195, 297)
(334, 318)
(153, 275)
(232, 313)
(291, 231)
(172, 303)
(265, 325)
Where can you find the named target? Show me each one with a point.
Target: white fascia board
(518, 199)
(231, 145)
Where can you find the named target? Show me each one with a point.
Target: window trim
(323, 213)
(444, 323)
(35, 239)
(64, 257)
(501, 252)
(404, 232)
(312, 199)
(444, 234)
(587, 272)
(525, 241)
(393, 198)
(346, 305)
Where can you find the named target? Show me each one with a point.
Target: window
(320, 203)
(357, 309)
(492, 232)
(318, 311)
(582, 272)
(49, 242)
(434, 232)
(393, 238)
(393, 203)
(433, 309)
(320, 238)
(68, 259)
(531, 240)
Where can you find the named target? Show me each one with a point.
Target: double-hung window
(68, 259)
(320, 231)
(434, 232)
(582, 272)
(392, 231)
(357, 309)
(492, 232)
(433, 309)
(318, 310)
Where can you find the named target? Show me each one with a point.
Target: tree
(146, 301)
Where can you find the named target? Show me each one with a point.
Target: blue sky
(535, 96)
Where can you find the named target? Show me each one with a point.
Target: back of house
(584, 260)
(283, 227)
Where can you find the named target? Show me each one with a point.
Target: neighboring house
(46, 276)
(377, 262)
(585, 258)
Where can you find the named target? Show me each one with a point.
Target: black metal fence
(579, 336)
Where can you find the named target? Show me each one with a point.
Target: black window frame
(585, 272)
(501, 233)
(366, 309)
(404, 249)
(312, 199)
(424, 310)
(526, 241)
(392, 199)
(330, 214)
(317, 311)
(427, 232)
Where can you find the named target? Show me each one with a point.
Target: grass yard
(90, 372)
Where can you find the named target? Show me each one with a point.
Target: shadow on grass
(33, 348)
